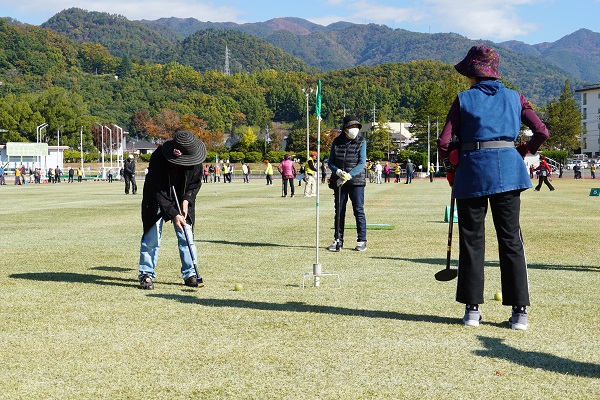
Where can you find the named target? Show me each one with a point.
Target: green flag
(318, 105)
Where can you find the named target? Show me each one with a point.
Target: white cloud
(490, 19)
(135, 10)
(365, 11)
(483, 19)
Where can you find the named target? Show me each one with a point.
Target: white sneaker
(335, 246)
(472, 317)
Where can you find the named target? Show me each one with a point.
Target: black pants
(356, 194)
(544, 179)
(130, 179)
(513, 268)
(284, 183)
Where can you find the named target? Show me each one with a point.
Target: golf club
(448, 273)
(187, 239)
(338, 244)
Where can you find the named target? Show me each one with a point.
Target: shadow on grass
(494, 348)
(74, 278)
(442, 262)
(112, 269)
(71, 277)
(252, 244)
(300, 307)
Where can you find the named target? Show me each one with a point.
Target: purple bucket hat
(480, 62)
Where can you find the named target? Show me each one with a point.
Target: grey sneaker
(472, 317)
(335, 246)
(518, 321)
(361, 246)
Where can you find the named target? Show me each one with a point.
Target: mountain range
(296, 44)
(357, 44)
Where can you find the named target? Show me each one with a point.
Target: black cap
(350, 120)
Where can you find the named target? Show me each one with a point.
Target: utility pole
(428, 140)
(267, 139)
(374, 117)
(307, 93)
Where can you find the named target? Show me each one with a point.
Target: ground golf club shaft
(187, 239)
(448, 273)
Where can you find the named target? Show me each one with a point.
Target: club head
(446, 274)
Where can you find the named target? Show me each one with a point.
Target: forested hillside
(577, 53)
(338, 46)
(116, 33)
(205, 50)
(347, 45)
(76, 85)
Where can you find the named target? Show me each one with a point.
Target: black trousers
(284, 183)
(356, 194)
(544, 179)
(513, 267)
(130, 180)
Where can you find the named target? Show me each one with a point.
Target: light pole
(38, 137)
(102, 134)
(58, 136)
(58, 146)
(81, 148)
(428, 141)
(119, 144)
(307, 93)
(267, 139)
(111, 146)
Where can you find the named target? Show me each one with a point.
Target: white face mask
(352, 133)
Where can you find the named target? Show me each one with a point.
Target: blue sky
(529, 21)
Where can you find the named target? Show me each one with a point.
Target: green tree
(248, 138)
(379, 140)
(563, 119)
(433, 107)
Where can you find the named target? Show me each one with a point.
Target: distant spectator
(410, 171)
(288, 173)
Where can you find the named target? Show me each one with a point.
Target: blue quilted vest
(489, 111)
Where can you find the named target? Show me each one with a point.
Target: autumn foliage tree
(164, 125)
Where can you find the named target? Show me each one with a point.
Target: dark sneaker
(472, 317)
(518, 321)
(146, 283)
(335, 246)
(361, 246)
(193, 281)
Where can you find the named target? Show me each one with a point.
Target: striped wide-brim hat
(184, 149)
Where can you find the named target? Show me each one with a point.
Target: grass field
(73, 324)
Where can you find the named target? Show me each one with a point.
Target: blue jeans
(357, 196)
(150, 245)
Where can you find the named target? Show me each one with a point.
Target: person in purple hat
(485, 168)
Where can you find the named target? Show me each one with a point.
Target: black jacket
(129, 169)
(158, 200)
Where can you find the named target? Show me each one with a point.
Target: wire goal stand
(317, 273)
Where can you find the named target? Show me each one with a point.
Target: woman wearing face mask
(347, 161)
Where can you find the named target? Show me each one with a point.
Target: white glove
(340, 172)
(341, 182)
